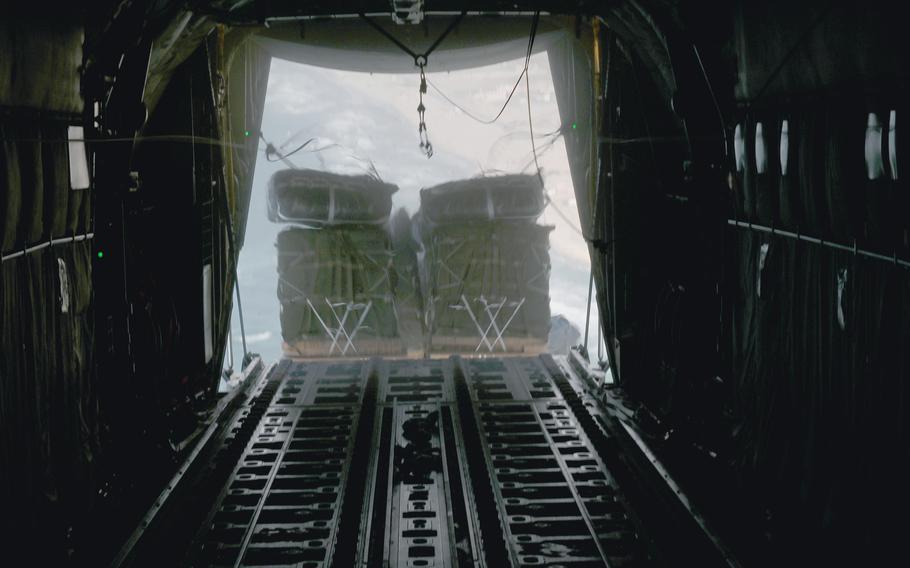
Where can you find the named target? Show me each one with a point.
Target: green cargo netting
(482, 264)
(339, 266)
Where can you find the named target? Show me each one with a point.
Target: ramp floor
(421, 463)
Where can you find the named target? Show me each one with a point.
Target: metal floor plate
(419, 463)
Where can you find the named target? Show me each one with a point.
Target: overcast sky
(362, 117)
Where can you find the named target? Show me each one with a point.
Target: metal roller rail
(557, 503)
(453, 462)
(283, 504)
(418, 509)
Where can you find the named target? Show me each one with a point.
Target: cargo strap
(492, 310)
(335, 334)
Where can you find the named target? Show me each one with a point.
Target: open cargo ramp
(433, 462)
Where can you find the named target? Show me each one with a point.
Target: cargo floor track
(419, 463)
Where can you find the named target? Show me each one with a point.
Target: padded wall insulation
(820, 389)
(49, 423)
(819, 336)
(40, 64)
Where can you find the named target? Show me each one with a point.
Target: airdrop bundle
(469, 273)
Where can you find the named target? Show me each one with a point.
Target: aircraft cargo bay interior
(449, 283)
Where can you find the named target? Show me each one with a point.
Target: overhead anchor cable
(420, 61)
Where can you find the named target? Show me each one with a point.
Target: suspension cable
(418, 57)
(420, 60)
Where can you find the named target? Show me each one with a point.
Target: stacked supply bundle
(485, 266)
(335, 268)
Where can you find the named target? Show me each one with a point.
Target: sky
(362, 118)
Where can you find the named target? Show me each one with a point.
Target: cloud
(255, 337)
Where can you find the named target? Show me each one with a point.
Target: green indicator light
(246, 132)
(100, 254)
(574, 126)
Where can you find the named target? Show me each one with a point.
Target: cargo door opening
(326, 126)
